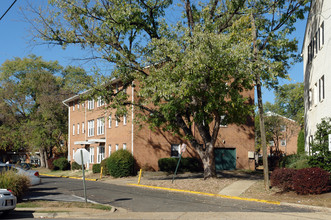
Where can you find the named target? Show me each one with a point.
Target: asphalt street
(146, 200)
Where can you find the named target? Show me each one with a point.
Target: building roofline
(269, 113)
(304, 37)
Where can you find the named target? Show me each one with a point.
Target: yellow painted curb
(207, 194)
(71, 177)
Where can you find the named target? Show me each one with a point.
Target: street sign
(78, 158)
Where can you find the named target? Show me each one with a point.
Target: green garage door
(225, 158)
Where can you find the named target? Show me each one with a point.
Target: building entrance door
(225, 158)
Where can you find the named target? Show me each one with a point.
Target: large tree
(199, 65)
(30, 102)
(288, 102)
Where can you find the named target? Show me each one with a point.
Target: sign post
(80, 156)
(181, 151)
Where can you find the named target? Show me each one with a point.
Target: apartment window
(124, 146)
(310, 96)
(73, 153)
(83, 104)
(321, 33)
(73, 129)
(311, 140)
(283, 143)
(175, 150)
(100, 102)
(100, 126)
(117, 120)
(91, 154)
(83, 127)
(124, 119)
(283, 128)
(271, 143)
(310, 53)
(109, 150)
(316, 43)
(116, 147)
(315, 94)
(223, 122)
(78, 104)
(90, 127)
(73, 106)
(109, 121)
(321, 90)
(101, 154)
(78, 128)
(90, 104)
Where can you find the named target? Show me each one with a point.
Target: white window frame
(116, 121)
(100, 102)
(321, 88)
(100, 126)
(90, 104)
(73, 105)
(109, 150)
(321, 35)
(116, 147)
(90, 128)
(222, 124)
(91, 154)
(271, 143)
(73, 153)
(315, 94)
(283, 128)
(109, 121)
(124, 119)
(310, 98)
(83, 127)
(73, 129)
(78, 128)
(124, 146)
(283, 142)
(78, 104)
(100, 153)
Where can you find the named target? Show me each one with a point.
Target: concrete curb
(315, 208)
(207, 194)
(71, 177)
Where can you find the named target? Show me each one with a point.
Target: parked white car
(7, 201)
(33, 175)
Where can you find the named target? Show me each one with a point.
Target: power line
(8, 9)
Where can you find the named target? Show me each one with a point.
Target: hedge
(61, 164)
(187, 164)
(302, 181)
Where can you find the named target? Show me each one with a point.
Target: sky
(15, 40)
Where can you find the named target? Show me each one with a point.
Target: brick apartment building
(94, 127)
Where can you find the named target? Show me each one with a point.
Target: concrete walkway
(237, 188)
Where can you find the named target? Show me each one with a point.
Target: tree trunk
(208, 161)
(42, 158)
(260, 107)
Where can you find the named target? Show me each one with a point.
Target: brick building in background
(94, 127)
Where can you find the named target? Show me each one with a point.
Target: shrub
(103, 164)
(75, 166)
(187, 164)
(311, 181)
(96, 168)
(282, 178)
(120, 164)
(50, 163)
(296, 161)
(61, 164)
(320, 147)
(18, 184)
(301, 142)
(168, 164)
